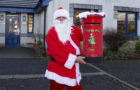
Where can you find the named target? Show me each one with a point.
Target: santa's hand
(80, 59)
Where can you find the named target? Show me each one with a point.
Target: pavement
(22, 69)
(17, 52)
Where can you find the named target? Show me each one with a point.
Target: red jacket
(64, 70)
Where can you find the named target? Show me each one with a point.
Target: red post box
(92, 27)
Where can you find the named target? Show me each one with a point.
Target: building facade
(17, 27)
(21, 22)
(121, 15)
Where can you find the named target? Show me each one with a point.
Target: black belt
(52, 59)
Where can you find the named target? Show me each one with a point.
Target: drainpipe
(44, 36)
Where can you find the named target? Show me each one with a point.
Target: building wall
(110, 7)
(39, 25)
(49, 15)
(110, 21)
(38, 29)
(23, 32)
(2, 30)
(138, 33)
(25, 38)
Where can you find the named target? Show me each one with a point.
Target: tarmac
(22, 69)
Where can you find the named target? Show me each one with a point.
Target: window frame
(126, 23)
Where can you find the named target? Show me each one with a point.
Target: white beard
(63, 29)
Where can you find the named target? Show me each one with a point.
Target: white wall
(39, 23)
(2, 23)
(23, 24)
(2, 30)
(38, 28)
(130, 3)
(107, 7)
(23, 39)
(36, 22)
(49, 15)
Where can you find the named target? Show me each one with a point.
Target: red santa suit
(63, 69)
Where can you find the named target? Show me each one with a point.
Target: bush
(137, 47)
(108, 53)
(114, 40)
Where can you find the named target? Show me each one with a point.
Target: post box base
(94, 59)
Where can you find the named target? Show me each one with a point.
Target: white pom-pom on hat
(61, 13)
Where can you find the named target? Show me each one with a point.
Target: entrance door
(12, 30)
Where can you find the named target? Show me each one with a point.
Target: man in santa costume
(63, 47)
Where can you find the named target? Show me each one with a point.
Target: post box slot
(92, 23)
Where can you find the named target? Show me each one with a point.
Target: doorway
(12, 34)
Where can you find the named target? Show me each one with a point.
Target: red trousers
(56, 86)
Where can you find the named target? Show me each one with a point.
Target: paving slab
(24, 61)
(22, 66)
(127, 70)
(17, 52)
(30, 66)
(24, 84)
(88, 83)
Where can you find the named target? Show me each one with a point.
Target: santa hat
(61, 12)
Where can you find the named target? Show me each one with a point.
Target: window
(127, 23)
(76, 12)
(30, 23)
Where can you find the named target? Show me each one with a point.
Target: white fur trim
(85, 14)
(59, 79)
(78, 74)
(70, 61)
(75, 46)
(61, 12)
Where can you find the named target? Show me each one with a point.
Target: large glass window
(121, 22)
(127, 23)
(131, 23)
(77, 11)
(30, 23)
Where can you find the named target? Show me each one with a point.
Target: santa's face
(61, 19)
(63, 28)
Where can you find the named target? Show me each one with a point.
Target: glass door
(12, 30)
